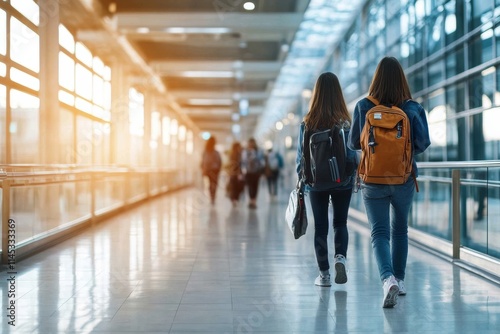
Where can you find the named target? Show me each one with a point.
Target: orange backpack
(386, 146)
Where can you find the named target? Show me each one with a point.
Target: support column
(50, 141)
(120, 134)
(149, 106)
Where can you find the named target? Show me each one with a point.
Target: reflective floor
(178, 265)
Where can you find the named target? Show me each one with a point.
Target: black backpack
(326, 165)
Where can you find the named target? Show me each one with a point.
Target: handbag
(296, 216)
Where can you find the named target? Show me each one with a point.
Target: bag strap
(373, 100)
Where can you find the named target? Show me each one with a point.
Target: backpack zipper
(371, 139)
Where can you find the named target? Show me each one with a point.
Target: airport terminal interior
(107, 222)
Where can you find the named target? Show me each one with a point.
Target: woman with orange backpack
(386, 122)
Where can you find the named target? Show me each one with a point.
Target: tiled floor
(177, 265)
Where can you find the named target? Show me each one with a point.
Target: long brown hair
(389, 85)
(328, 106)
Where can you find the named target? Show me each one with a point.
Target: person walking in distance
(236, 178)
(388, 195)
(253, 166)
(274, 162)
(211, 164)
(328, 112)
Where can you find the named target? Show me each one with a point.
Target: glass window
(67, 138)
(83, 54)
(436, 74)
(3, 69)
(416, 80)
(488, 93)
(24, 127)
(497, 90)
(28, 8)
(83, 105)
(455, 128)
(451, 20)
(84, 140)
(98, 66)
(83, 82)
(455, 63)
(66, 39)
(481, 48)
(107, 95)
(136, 112)
(480, 11)
(165, 130)
(98, 95)
(24, 45)
(66, 71)
(435, 34)
(481, 88)
(107, 73)
(3, 32)
(24, 79)
(3, 109)
(455, 98)
(66, 97)
(437, 120)
(99, 143)
(393, 32)
(155, 125)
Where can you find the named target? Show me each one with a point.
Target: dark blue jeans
(319, 205)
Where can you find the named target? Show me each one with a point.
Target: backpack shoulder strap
(373, 100)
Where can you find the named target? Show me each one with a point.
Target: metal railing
(43, 203)
(457, 212)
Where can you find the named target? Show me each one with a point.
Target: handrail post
(5, 220)
(455, 203)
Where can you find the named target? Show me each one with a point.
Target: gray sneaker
(340, 269)
(323, 279)
(402, 287)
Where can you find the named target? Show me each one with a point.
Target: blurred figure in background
(253, 166)
(236, 182)
(211, 165)
(274, 162)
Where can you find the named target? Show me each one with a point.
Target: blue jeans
(319, 205)
(387, 208)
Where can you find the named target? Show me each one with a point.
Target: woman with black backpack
(330, 179)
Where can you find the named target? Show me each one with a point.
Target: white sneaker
(340, 269)
(323, 279)
(391, 291)
(402, 287)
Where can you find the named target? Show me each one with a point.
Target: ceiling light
(206, 74)
(142, 30)
(249, 5)
(214, 102)
(185, 30)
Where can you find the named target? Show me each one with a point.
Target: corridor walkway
(177, 265)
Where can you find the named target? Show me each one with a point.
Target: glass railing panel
(473, 196)
(45, 208)
(480, 202)
(23, 209)
(430, 212)
(109, 192)
(138, 186)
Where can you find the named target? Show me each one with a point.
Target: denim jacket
(351, 156)
(418, 120)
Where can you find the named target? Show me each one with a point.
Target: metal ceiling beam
(167, 67)
(234, 21)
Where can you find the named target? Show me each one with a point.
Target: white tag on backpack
(377, 115)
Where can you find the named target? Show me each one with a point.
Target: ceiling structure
(226, 68)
